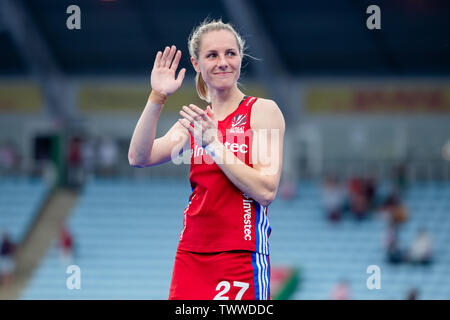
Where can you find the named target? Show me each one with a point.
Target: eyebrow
(214, 51)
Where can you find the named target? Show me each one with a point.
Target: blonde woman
(237, 146)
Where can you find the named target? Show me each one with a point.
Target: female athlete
(237, 146)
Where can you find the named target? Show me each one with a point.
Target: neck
(224, 102)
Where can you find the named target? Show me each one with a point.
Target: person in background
(65, 245)
(74, 163)
(288, 189)
(341, 291)
(88, 154)
(9, 158)
(370, 190)
(396, 215)
(333, 197)
(412, 294)
(359, 205)
(394, 211)
(399, 177)
(421, 249)
(394, 252)
(108, 154)
(7, 263)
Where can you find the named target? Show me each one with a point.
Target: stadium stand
(20, 202)
(119, 257)
(123, 258)
(320, 48)
(366, 100)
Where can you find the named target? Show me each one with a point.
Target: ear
(195, 64)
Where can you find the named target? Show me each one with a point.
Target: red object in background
(356, 186)
(283, 282)
(75, 152)
(278, 278)
(66, 240)
(287, 190)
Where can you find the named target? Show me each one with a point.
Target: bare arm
(260, 182)
(144, 149)
(159, 150)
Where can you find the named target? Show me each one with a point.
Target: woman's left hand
(204, 127)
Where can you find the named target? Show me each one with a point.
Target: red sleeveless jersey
(219, 216)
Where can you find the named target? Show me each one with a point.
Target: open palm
(163, 74)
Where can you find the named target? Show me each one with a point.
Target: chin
(222, 85)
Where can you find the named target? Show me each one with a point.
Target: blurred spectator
(9, 157)
(7, 263)
(420, 251)
(395, 254)
(287, 190)
(65, 245)
(391, 237)
(395, 210)
(108, 156)
(359, 205)
(49, 172)
(341, 291)
(74, 163)
(412, 294)
(395, 214)
(370, 190)
(399, 177)
(333, 197)
(88, 156)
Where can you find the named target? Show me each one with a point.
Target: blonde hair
(194, 42)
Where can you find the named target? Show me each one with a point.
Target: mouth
(222, 73)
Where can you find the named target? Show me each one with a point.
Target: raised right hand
(163, 74)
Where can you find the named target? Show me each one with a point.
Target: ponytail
(202, 88)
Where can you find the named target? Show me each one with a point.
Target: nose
(222, 62)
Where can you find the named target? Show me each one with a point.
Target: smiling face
(219, 59)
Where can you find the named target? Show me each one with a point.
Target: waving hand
(163, 74)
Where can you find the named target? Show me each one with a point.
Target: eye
(211, 55)
(231, 53)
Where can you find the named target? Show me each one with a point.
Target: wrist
(210, 146)
(213, 149)
(157, 97)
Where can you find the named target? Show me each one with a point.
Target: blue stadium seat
(20, 202)
(126, 235)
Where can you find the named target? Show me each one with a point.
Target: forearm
(260, 187)
(144, 134)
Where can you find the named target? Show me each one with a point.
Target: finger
(157, 60)
(192, 114)
(164, 57)
(175, 58)
(211, 118)
(186, 116)
(181, 75)
(186, 124)
(170, 56)
(211, 113)
(175, 62)
(198, 128)
(199, 111)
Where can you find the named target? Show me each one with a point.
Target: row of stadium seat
(126, 251)
(20, 202)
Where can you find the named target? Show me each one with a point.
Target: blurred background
(366, 173)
